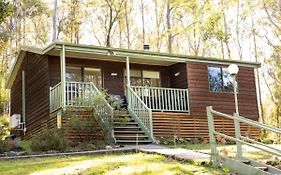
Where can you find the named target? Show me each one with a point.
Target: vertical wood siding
(36, 89)
(194, 126)
(200, 96)
(179, 81)
(16, 90)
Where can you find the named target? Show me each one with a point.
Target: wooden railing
(55, 97)
(141, 112)
(216, 158)
(164, 99)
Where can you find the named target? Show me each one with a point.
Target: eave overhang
(119, 55)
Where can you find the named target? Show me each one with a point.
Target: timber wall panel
(16, 95)
(188, 126)
(36, 90)
(179, 81)
(200, 96)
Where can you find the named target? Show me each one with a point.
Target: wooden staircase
(127, 130)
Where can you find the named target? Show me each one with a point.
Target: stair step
(126, 127)
(128, 132)
(134, 136)
(125, 123)
(133, 141)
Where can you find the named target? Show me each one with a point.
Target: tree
(5, 11)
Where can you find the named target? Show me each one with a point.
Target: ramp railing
(240, 140)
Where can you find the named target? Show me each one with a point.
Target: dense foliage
(49, 140)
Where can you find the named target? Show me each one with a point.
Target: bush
(4, 126)
(6, 145)
(49, 140)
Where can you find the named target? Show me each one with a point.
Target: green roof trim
(118, 53)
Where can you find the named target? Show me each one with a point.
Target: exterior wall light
(114, 74)
(177, 74)
(233, 69)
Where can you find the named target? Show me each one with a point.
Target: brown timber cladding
(189, 126)
(200, 96)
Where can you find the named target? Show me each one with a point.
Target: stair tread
(134, 141)
(120, 127)
(130, 122)
(130, 136)
(129, 132)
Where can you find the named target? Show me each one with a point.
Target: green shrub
(49, 140)
(4, 126)
(6, 145)
(77, 123)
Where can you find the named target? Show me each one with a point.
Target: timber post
(212, 136)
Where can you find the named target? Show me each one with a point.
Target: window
(219, 79)
(151, 78)
(93, 75)
(84, 74)
(73, 73)
(144, 78)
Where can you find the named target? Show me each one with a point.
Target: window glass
(136, 79)
(144, 78)
(219, 79)
(151, 78)
(227, 81)
(93, 75)
(215, 79)
(73, 73)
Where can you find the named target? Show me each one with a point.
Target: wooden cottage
(164, 95)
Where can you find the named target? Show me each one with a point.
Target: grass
(131, 163)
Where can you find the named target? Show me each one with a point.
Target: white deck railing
(164, 99)
(55, 97)
(141, 112)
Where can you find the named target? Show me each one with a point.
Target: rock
(108, 147)
(278, 166)
(12, 153)
(52, 152)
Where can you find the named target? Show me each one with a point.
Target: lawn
(130, 163)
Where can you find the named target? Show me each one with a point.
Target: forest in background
(228, 29)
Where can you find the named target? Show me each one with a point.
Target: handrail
(141, 112)
(163, 99)
(239, 139)
(248, 121)
(104, 112)
(55, 97)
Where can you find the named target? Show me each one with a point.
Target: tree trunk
(143, 23)
(168, 18)
(55, 20)
(262, 117)
(225, 30)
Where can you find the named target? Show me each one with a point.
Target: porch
(145, 86)
(78, 94)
